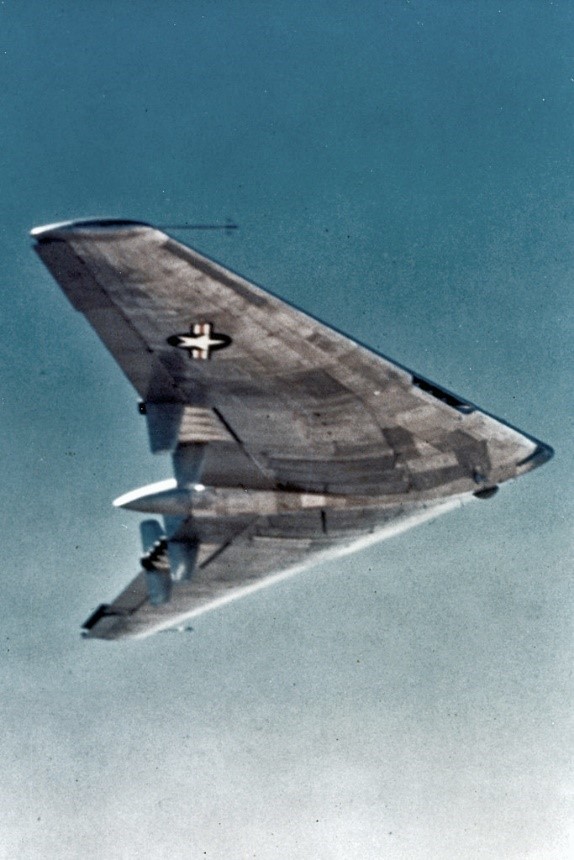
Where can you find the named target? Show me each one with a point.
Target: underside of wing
(217, 359)
(259, 400)
(257, 553)
(229, 571)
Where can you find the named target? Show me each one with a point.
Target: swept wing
(290, 441)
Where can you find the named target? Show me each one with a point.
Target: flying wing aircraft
(290, 442)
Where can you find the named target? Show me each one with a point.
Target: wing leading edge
(326, 440)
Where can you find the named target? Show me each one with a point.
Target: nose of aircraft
(541, 454)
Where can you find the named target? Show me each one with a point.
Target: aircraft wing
(248, 392)
(224, 573)
(255, 553)
(281, 397)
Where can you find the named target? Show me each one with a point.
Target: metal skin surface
(290, 441)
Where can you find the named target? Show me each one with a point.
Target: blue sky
(403, 170)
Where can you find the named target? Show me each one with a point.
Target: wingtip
(59, 230)
(541, 454)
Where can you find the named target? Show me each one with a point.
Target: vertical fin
(187, 463)
(182, 559)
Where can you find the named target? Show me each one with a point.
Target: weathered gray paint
(308, 440)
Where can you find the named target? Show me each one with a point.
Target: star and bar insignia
(200, 341)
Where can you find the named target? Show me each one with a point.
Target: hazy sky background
(404, 171)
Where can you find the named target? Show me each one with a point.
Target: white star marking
(200, 341)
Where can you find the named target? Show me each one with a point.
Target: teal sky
(403, 170)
